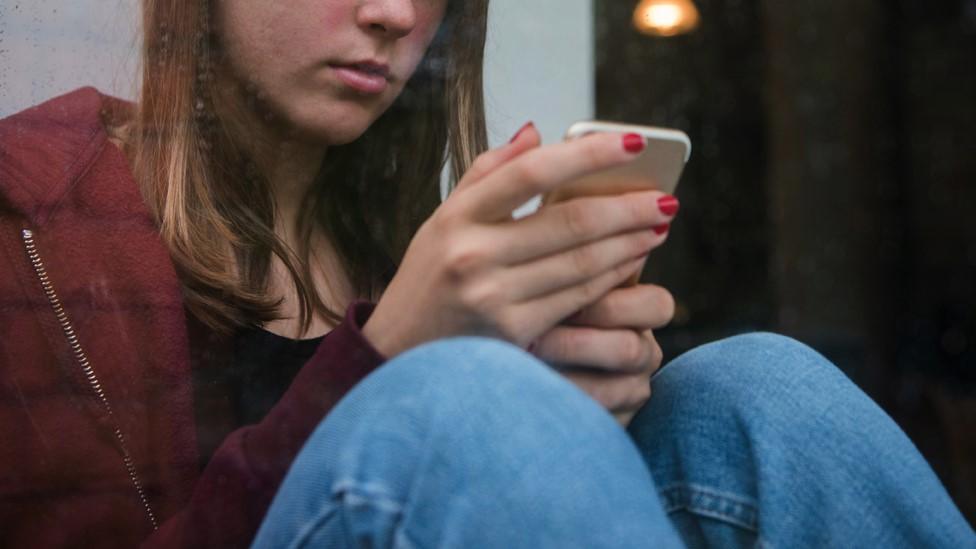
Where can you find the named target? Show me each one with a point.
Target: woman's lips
(361, 80)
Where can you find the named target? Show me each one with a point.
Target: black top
(261, 369)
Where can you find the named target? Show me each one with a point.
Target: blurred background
(830, 195)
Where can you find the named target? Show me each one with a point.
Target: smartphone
(658, 167)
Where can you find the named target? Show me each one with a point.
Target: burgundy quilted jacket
(97, 435)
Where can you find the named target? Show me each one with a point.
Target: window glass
(219, 218)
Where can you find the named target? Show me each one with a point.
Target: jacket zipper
(93, 382)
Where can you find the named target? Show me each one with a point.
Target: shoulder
(46, 148)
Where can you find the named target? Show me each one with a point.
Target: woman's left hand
(608, 349)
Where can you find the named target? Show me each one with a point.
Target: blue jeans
(754, 441)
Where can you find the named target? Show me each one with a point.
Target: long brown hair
(213, 205)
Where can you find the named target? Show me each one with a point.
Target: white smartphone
(658, 167)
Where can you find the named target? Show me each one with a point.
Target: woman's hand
(473, 270)
(608, 349)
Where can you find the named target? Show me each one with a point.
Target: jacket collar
(46, 149)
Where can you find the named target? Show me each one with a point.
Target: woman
(175, 279)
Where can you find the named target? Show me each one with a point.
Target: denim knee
(757, 394)
(455, 395)
(763, 433)
(457, 363)
(748, 370)
(764, 397)
(474, 375)
(465, 438)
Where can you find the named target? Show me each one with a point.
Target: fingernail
(518, 133)
(661, 229)
(668, 205)
(634, 143)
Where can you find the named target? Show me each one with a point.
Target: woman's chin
(331, 131)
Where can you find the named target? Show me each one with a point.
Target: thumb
(525, 139)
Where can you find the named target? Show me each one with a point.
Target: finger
(642, 307)
(551, 309)
(575, 266)
(542, 169)
(569, 224)
(617, 393)
(524, 140)
(635, 278)
(624, 418)
(620, 351)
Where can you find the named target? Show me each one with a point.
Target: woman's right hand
(473, 270)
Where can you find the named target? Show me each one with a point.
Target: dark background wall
(831, 194)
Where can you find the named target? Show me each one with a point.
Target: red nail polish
(634, 143)
(668, 205)
(661, 229)
(518, 133)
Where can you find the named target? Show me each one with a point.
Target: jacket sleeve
(235, 490)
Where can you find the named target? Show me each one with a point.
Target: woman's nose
(393, 17)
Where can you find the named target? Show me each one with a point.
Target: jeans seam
(303, 535)
(402, 540)
(367, 492)
(700, 500)
(349, 491)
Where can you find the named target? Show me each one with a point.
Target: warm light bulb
(663, 16)
(666, 17)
